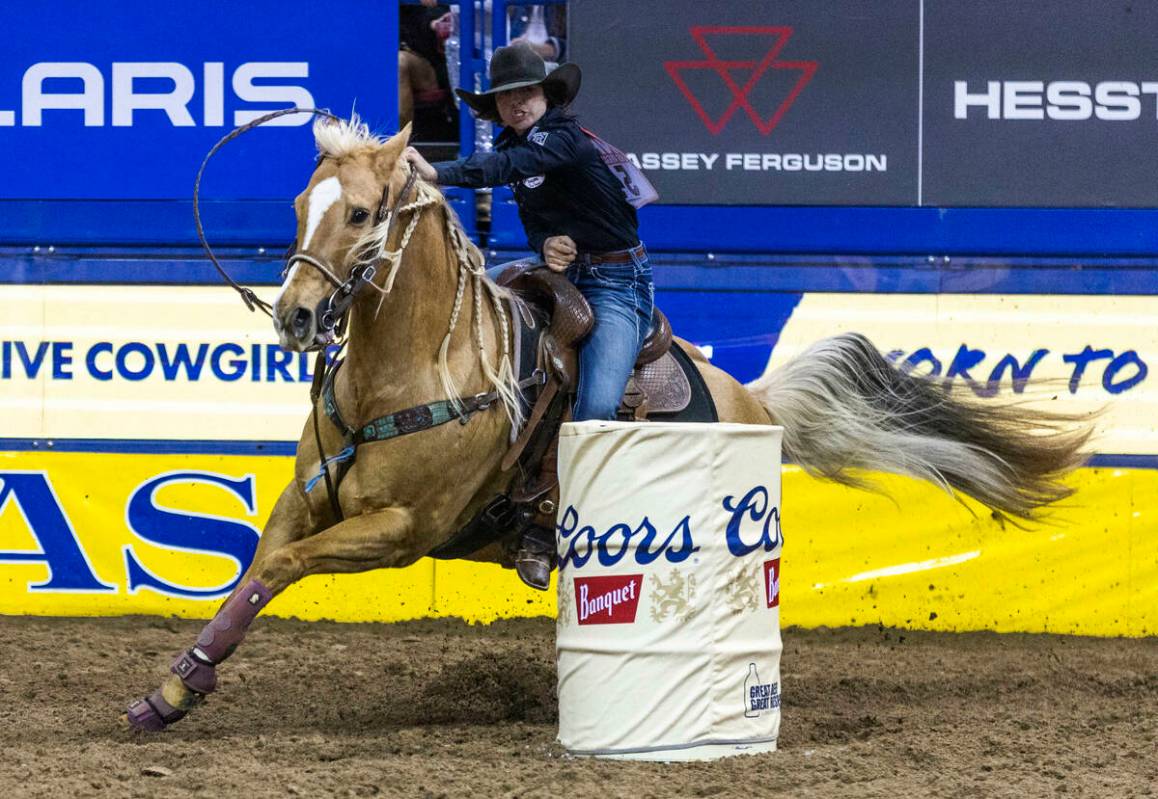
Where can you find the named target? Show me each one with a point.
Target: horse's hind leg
(370, 541)
(193, 674)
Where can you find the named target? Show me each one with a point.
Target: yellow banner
(111, 534)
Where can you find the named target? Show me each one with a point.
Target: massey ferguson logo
(611, 599)
(772, 582)
(740, 77)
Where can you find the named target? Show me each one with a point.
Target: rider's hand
(559, 252)
(421, 165)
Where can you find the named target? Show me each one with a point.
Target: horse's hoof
(143, 718)
(153, 714)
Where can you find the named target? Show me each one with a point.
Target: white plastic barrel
(669, 590)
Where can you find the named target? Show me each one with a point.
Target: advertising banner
(147, 362)
(123, 410)
(1034, 105)
(1079, 354)
(190, 363)
(909, 103)
(108, 534)
(114, 533)
(744, 103)
(122, 100)
(147, 431)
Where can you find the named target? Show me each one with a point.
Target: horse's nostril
(300, 324)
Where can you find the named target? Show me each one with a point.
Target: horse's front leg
(370, 541)
(193, 673)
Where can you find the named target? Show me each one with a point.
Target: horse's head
(358, 178)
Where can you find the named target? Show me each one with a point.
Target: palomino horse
(430, 327)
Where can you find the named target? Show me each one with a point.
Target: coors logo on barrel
(611, 599)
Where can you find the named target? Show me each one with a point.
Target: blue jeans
(622, 297)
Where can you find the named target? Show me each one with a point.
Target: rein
(330, 322)
(344, 291)
(251, 300)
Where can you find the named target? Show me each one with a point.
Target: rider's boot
(535, 558)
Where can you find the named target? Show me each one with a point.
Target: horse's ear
(391, 151)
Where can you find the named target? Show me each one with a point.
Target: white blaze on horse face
(322, 196)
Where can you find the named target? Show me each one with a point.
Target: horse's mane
(339, 138)
(501, 375)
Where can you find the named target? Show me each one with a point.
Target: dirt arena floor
(441, 709)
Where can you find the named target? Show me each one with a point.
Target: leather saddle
(658, 384)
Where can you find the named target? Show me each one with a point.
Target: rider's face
(521, 108)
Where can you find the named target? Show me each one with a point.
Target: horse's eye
(359, 216)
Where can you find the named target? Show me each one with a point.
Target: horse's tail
(845, 409)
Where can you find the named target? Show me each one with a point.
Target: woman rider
(577, 218)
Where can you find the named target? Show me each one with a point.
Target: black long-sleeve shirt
(560, 183)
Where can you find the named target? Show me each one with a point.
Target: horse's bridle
(331, 312)
(331, 316)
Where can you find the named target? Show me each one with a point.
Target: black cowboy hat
(516, 66)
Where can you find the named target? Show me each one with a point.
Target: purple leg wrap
(222, 635)
(153, 714)
(196, 674)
